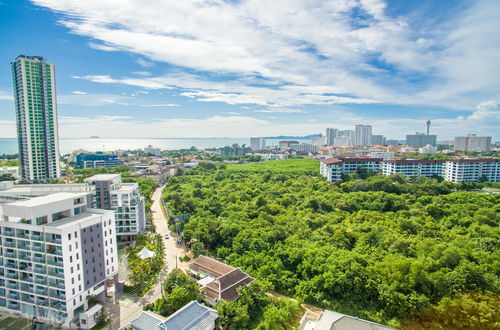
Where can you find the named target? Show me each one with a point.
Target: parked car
(166, 236)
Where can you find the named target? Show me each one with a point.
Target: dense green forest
(388, 249)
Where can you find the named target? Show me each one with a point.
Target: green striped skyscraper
(36, 117)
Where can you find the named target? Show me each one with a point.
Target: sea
(9, 145)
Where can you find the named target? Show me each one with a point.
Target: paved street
(128, 307)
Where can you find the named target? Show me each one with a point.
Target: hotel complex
(108, 192)
(56, 251)
(36, 118)
(456, 170)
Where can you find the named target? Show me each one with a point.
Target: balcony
(54, 250)
(12, 275)
(59, 285)
(23, 246)
(9, 243)
(29, 299)
(58, 305)
(11, 264)
(60, 296)
(14, 306)
(42, 302)
(10, 254)
(27, 278)
(27, 288)
(38, 248)
(9, 233)
(42, 292)
(13, 296)
(56, 274)
(39, 259)
(12, 285)
(36, 237)
(39, 270)
(56, 263)
(22, 235)
(41, 281)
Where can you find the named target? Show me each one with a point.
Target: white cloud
(79, 93)
(144, 63)
(298, 48)
(282, 110)
(159, 105)
(489, 110)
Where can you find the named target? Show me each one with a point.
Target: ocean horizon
(67, 145)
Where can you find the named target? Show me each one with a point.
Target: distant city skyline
(390, 64)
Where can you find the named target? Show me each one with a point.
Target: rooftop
(102, 177)
(44, 200)
(81, 218)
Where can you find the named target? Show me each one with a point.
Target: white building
(413, 167)
(428, 149)
(471, 142)
(257, 143)
(55, 253)
(472, 170)
(363, 135)
(153, 151)
(345, 138)
(304, 147)
(333, 168)
(331, 135)
(123, 198)
(385, 155)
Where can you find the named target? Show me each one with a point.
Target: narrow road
(128, 307)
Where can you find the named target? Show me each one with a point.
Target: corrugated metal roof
(193, 316)
(147, 321)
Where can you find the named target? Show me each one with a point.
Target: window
(70, 258)
(69, 237)
(76, 235)
(71, 270)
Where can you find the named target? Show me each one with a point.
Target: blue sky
(257, 68)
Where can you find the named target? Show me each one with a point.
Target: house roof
(337, 321)
(227, 279)
(210, 266)
(147, 321)
(190, 317)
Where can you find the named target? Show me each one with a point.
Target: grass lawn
(310, 166)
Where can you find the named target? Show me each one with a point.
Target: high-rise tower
(36, 117)
(428, 125)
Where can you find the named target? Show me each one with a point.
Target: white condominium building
(125, 200)
(413, 167)
(472, 170)
(55, 253)
(455, 170)
(333, 168)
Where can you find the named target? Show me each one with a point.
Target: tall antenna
(428, 126)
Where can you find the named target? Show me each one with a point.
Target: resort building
(98, 159)
(472, 170)
(36, 118)
(218, 280)
(123, 198)
(333, 168)
(55, 253)
(454, 170)
(413, 167)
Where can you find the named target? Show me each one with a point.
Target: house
(329, 320)
(192, 316)
(219, 281)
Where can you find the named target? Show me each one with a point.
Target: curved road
(127, 307)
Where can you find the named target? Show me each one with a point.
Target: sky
(241, 68)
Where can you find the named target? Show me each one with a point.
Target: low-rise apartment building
(472, 170)
(413, 167)
(123, 198)
(454, 170)
(55, 252)
(333, 168)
